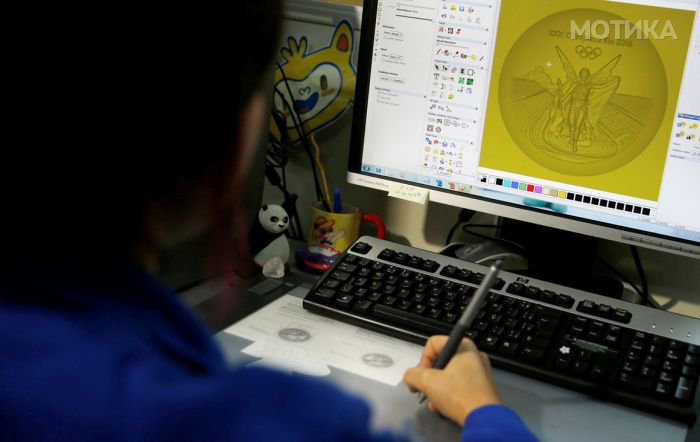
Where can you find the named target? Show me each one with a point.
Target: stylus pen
(465, 321)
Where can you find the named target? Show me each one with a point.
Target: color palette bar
(538, 190)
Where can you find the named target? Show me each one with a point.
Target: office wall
(671, 277)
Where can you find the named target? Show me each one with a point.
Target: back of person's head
(115, 109)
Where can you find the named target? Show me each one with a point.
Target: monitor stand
(554, 255)
(561, 257)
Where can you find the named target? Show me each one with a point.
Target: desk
(552, 413)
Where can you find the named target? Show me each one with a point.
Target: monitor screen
(579, 114)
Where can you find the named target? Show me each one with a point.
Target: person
(136, 133)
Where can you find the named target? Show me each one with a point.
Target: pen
(465, 321)
(337, 203)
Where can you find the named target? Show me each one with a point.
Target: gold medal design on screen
(585, 111)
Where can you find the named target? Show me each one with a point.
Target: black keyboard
(637, 356)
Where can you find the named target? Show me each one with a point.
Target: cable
(321, 168)
(300, 126)
(289, 203)
(464, 216)
(646, 298)
(302, 136)
(621, 276)
(494, 238)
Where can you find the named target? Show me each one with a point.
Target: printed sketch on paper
(294, 335)
(377, 360)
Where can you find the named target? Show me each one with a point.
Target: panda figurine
(267, 234)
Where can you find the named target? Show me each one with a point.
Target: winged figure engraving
(580, 101)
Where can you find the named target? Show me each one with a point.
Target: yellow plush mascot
(315, 88)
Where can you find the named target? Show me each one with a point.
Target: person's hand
(465, 384)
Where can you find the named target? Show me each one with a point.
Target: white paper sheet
(287, 337)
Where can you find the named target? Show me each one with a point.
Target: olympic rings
(588, 52)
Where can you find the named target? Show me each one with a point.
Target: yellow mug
(337, 231)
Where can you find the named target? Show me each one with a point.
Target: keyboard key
(345, 301)
(669, 366)
(451, 317)
(361, 282)
(532, 292)
(635, 383)
(666, 376)
(548, 296)
(689, 371)
(476, 278)
(434, 312)
(663, 389)
(429, 266)
(532, 354)
(419, 308)
(374, 296)
(389, 290)
(677, 345)
(655, 350)
(392, 270)
(389, 300)
(498, 284)
(340, 276)
(463, 275)
(414, 321)
(379, 276)
(652, 361)
(508, 348)
(604, 311)
(601, 366)
(414, 262)
(404, 304)
(691, 360)
(649, 372)
(515, 288)
(361, 248)
(362, 306)
(580, 367)
(673, 355)
(400, 258)
(347, 267)
(621, 315)
(448, 271)
(562, 363)
(325, 293)
(331, 283)
(564, 301)
(387, 254)
(685, 386)
(587, 307)
(488, 343)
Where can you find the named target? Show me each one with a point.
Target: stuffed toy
(267, 234)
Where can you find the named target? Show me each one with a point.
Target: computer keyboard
(637, 356)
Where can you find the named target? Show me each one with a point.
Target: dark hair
(114, 115)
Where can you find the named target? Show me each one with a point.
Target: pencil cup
(339, 230)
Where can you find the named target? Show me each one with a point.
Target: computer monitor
(580, 115)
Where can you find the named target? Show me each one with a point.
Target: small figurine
(267, 235)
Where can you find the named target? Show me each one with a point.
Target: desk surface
(552, 413)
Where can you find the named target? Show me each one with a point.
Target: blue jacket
(117, 357)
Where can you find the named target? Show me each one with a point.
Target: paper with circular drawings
(288, 338)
